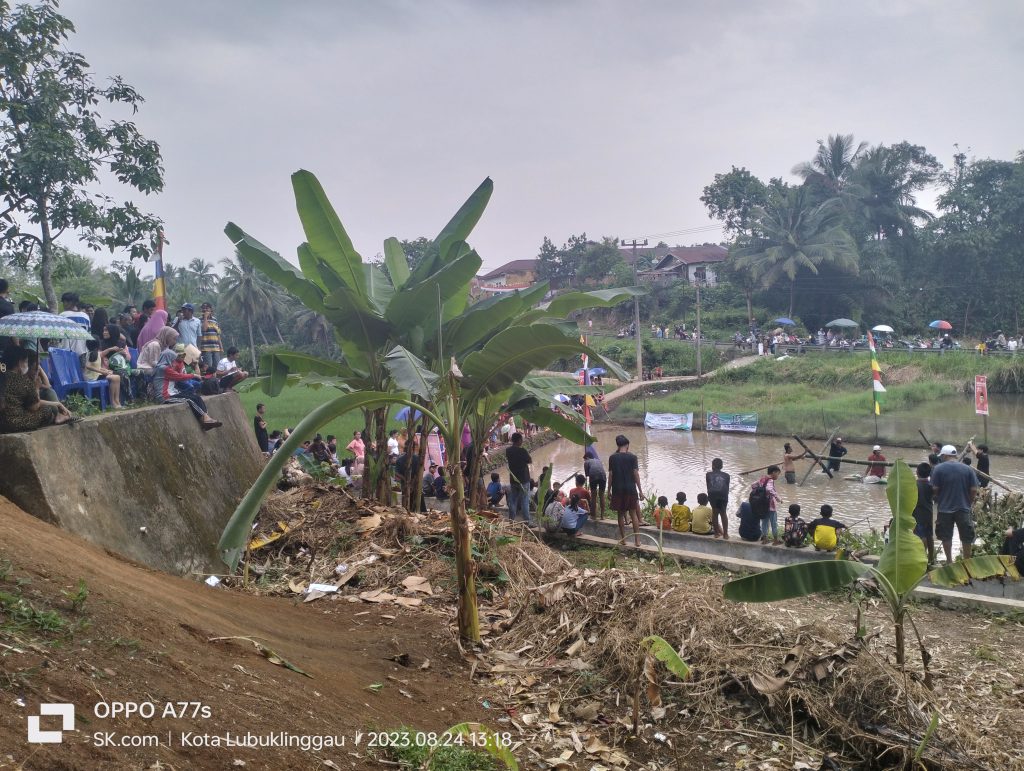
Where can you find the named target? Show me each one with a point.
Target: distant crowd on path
(142, 356)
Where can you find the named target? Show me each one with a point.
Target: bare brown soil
(145, 636)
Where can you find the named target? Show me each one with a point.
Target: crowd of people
(142, 356)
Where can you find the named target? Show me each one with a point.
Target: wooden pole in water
(809, 451)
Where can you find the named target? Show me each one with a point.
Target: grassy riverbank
(811, 395)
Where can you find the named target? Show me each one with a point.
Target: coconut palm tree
(203, 275)
(792, 236)
(243, 293)
(314, 327)
(128, 288)
(887, 179)
(833, 163)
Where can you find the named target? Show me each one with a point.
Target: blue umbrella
(562, 398)
(597, 371)
(784, 321)
(403, 414)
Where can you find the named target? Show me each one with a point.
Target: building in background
(692, 264)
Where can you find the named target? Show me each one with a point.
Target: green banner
(731, 421)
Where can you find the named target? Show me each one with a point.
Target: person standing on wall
(624, 483)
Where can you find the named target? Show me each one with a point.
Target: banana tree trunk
(382, 479)
(465, 567)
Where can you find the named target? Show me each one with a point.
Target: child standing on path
(772, 519)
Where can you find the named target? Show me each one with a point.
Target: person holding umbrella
(21, 409)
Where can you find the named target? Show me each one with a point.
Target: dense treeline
(849, 239)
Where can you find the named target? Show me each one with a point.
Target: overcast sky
(589, 115)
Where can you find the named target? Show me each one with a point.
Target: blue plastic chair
(133, 354)
(67, 369)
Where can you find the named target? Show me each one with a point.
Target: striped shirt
(209, 338)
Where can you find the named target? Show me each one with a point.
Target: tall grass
(293, 404)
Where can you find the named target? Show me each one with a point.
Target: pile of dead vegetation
(566, 650)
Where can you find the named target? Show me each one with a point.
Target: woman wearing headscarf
(149, 332)
(149, 359)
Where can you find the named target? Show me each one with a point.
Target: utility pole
(636, 311)
(697, 281)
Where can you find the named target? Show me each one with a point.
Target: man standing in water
(788, 464)
(835, 452)
(624, 482)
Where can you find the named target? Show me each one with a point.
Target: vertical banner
(980, 395)
(159, 290)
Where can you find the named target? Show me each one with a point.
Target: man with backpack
(718, 497)
(764, 502)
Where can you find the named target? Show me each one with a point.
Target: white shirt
(82, 319)
(225, 365)
(392, 446)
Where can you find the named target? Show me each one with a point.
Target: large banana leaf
(324, 231)
(355, 320)
(379, 290)
(308, 266)
(513, 353)
(236, 534)
(416, 304)
(279, 366)
(565, 304)
(573, 430)
(410, 373)
(457, 229)
(276, 268)
(903, 561)
(465, 332)
(975, 569)
(396, 262)
(549, 385)
(461, 225)
(797, 580)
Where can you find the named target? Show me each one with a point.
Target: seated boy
(825, 531)
(795, 533)
(701, 516)
(680, 514)
(750, 523)
(1014, 546)
(495, 492)
(573, 516)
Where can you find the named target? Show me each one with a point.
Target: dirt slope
(144, 636)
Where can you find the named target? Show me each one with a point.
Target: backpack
(553, 516)
(758, 498)
(717, 484)
(796, 532)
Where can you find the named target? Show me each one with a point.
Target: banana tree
(901, 567)
(448, 400)
(424, 311)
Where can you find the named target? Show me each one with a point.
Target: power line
(683, 231)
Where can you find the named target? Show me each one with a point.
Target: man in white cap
(876, 471)
(955, 486)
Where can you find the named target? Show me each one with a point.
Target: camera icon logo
(66, 712)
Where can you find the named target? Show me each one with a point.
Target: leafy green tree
(732, 198)
(794, 237)
(55, 145)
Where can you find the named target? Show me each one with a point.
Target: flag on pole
(585, 380)
(876, 376)
(159, 293)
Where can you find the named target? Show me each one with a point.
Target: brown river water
(673, 461)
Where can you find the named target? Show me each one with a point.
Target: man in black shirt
(981, 452)
(519, 461)
(624, 483)
(836, 451)
(259, 425)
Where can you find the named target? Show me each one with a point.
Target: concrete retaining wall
(110, 475)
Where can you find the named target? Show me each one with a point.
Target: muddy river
(673, 461)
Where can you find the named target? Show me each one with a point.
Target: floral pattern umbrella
(40, 325)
